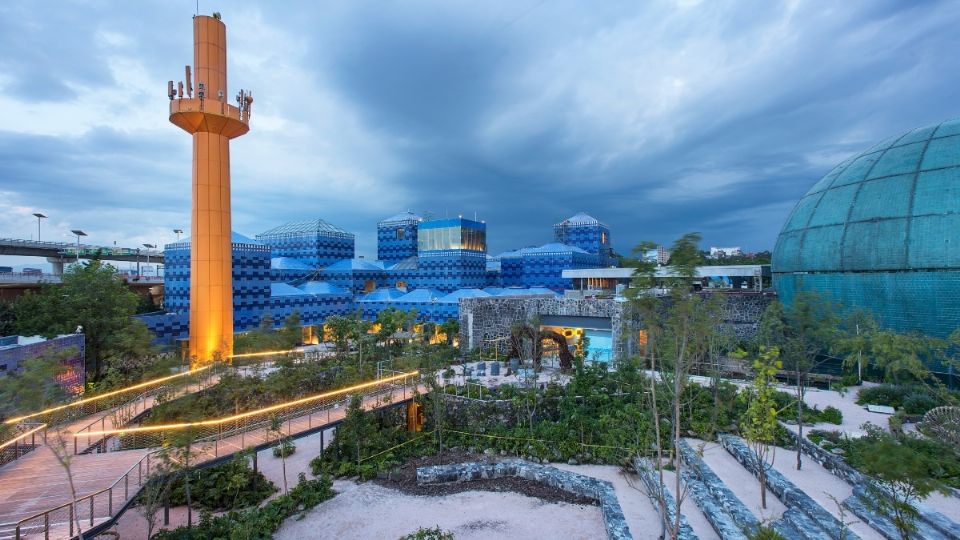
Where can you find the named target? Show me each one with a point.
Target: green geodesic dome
(881, 231)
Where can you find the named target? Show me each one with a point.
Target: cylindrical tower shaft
(212, 123)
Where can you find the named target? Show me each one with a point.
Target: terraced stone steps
(884, 525)
(718, 491)
(648, 474)
(810, 519)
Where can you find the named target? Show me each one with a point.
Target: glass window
(401, 233)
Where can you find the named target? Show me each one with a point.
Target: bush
(256, 523)
(284, 449)
(919, 403)
(832, 415)
(884, 394)
(429, 534)
(229, 486)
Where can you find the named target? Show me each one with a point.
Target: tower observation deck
(205, 114)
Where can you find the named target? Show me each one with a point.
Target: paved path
(36, 482)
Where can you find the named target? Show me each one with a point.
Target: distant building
(426, 265)
(14, 350)
(717, 252)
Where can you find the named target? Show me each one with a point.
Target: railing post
(74, 446)
(46, 527)
(72, 504)
(109, 503)
(91, 510)
(126, 489)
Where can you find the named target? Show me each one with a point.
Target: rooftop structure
(315, 242)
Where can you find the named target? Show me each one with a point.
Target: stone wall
(486, 319)
(578, 484)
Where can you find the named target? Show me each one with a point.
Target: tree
(761, 416)
(276, 427)
(291, 334)
(356, 428)
(7, 319)
(450, 328)
(93, 297)
(803, 333)
(340, 329)
(902, 478)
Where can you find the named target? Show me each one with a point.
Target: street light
(178, 232)
(149, 246)
(78, 233)
(39, 216)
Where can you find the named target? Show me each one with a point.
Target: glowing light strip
(22, 435)
(108, 394)
(267, 353)
(248, 414)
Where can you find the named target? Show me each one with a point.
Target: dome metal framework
(881, 231)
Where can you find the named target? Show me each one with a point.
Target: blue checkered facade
(397, 240)
(448, 270)
(545, 269)
(590, 237)
(357, 281)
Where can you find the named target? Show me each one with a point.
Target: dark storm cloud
(658, 118)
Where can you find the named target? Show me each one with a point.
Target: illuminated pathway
(36, 484)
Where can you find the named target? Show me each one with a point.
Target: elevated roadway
(64, 252)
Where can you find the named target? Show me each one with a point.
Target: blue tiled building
(315, 242)
(426, 265)
(397, 237)
(587, 233)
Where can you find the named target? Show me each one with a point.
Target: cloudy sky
(657, 117)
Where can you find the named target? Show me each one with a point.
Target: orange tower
(207, 116)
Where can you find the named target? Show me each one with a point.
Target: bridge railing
(90, 510)
(30, 437)
(109, 400)
(228, 434)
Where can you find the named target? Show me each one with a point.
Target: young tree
(91, 296)
(156, 490)
(902, 478)
(276, 428)
(761, 416)
(450, 329)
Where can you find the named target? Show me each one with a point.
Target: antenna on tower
(189, 80)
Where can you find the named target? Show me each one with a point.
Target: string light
(248, 414)
(108, 394)
(22, 435)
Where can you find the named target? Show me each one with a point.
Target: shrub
(766, 532)
(228, 486)
(284, 449)
(884, 394)
(832, 415)
(429, 534)
(919, 403)
(256, 523)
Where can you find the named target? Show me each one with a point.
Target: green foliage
(906, 473)
(450, 329)
(91, 295)
(761, 414)
(35, 386)
(436, 533)
(266, 338)
(911, 398)
(286, 448)
(8, 319)
(229, 486)
(766, 532)
(832, 415)
(931, 463)
(256, 523)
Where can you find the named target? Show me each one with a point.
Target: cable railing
(106, 401)
(88, 511)
(26, 441)
(240, 430)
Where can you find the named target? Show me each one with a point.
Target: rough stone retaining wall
(729, 504)
(578, 484)
(811, 518)
(648, 474)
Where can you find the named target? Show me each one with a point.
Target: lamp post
(39, 216)
(149, 247)
(78, 234)
(178, 232)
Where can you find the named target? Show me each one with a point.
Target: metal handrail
(75, 504)
(17, 447)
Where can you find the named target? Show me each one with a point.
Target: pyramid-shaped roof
(554, 247)
(421, 295)
(289, 263)
(402, 217)
(580, 218)
(382, 295)
(321, 287)
(235, 238)
(349, 265)
(318, 226)
(283, 289)
(456, 295)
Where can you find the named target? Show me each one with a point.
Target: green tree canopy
(92, 296)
